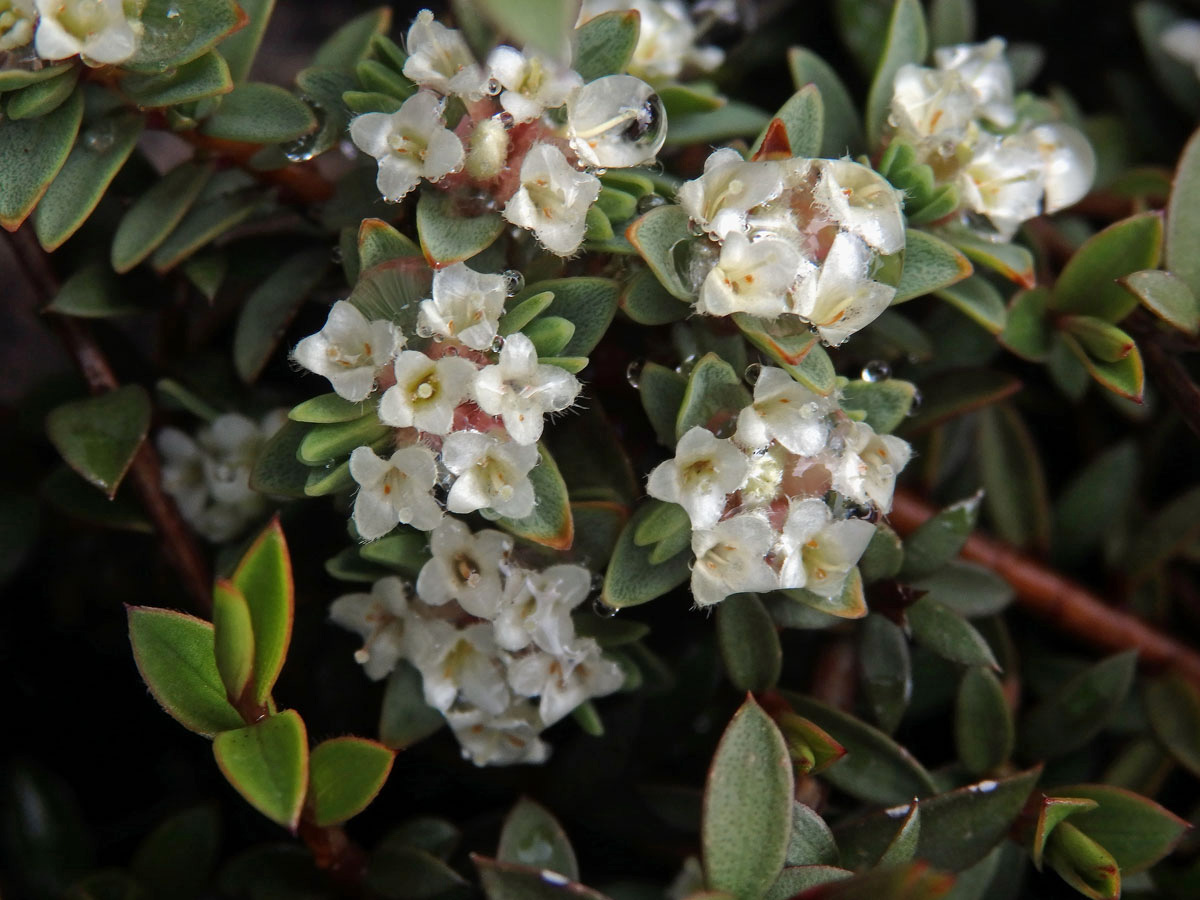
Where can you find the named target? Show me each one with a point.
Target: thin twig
(1064, 603)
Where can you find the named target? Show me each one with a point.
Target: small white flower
(379, 619)
(99, 31)
(426, 392)
(563, 682)
(16, 23)
(703, 472)
(862, 202)
(466, 305)
(349, 350)
(720, 199)
(841, 298)
(785, 411)
(491, 474)
(751, 277)
(763, 483)
(465, 567)
(987, 74)
(501, 740)
(520, 390)
(537, 608)
(553, 199)
(869, 465)
(457, 663)
(487, 149)
(731, 558)
(818, 552)
(394, 491)
(439, 58)
(532, 83)
(1004, 181)
(1068, 164)
(931, 105)
(412, 143)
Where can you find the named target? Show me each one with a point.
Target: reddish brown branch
(1053, 597)
(301, 181)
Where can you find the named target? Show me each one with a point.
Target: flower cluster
(488, 636)
(209, 475)
(802, 237)
(756, 500)
(963, 120)
(667, 39)
(101, 32)
(614, 121)
(467, 407)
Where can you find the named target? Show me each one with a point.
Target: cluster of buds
(467, 407)
(757, 500)
(488, 637)
(811, 238)
(534, 166)
(100, 32)
(962, 119)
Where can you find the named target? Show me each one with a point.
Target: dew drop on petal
(602, 609)
(876, 370)
(514, 281)
(497, 343)
(752, 373)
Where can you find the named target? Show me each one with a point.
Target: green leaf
(794, 881)
(983, 726)
(1083, 863)
(811, 842)
(99, 436)
(1166, 535)
(175, 32)
(979, 300)
(544, 24)
(1134, 829)
(1027, 331)
(511, 881)
(1052, 812)
(747, 806)
(944, 632)
(405, 718)
(379, 242)
(550, 523)
(790, 343)
(234, 638)
(714, 392)
(632, 578)
(174, 654)
(617, 205)
(350, 43)
(404, 551)
(344, 776)
(731, 120)
(604, 44)
(655, 235)
(883, 556)
(1102, 340)
(93, 293)
(1075, 713)
(1015, 493)
(327, 443)
(803, 118)
(378, 78)
(1167, 296)
(1012, 261)
(68, 493)
(267, 763)
(1183, 213)
(1124, 377)
(264, 576)
(257, 113)
(886, 670)
(958, 828)
(875, 769)
(207, 76)
(968, 589)
(906, 43)
(448, 234)
(396, 871)
(957, 392)
(176, 859)
(749, 643)
(327, 409)
(661, 390)
(359, 102)
(155, 214)
(951, 22)
(940, 539)
(841, 131)
(276, 470)
(226, 201)
(1088, 283)
(523, 312)
(32, 151)
(1173, 706)
(851, 603)
(207, 272)
(647, 302)
(271, 307)
(15, 79)
(661, 522)
(885, 403)
(1096, 497)
(43, 97)
(588, 303)
(533, 837)
(240, 49)
(903, 846)
(810, 747)
(930, 264)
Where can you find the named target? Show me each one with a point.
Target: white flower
(1004, 181)
(520, 390)
(412, 143)
(987, 74)
(457, 663)
(785, 411)
(818, 552)
(862, 202)
(537, 608)
(466, 305)
(869, 465)
(563, 682)
(500, 740)
(731, 558)
(487, 149)
(492, 474)
(532, 84)
(841, 298)
(720, 199)
(751, 277)
(349, 350)
(426, 392)
(931, 105)
(465, 567)
(616, 122)
(395, 490)
(703, 472)
(98, 30)
(439, 58)
(16, 23)
(379, 619)
(765, 478)
(666, 39)
(553, 199)
(1068, 164)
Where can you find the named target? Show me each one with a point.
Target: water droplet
(498, 343)
(686, 364)
(347, 149)
(100, 138)
(302, 148)
(647, 202)
(752, 373)
(514, 281)
(493, 87)
(602, 609)
(337, 255)
(876, 370)
(916, 402)
(616, 121)
(506, 119)
(173, 14)
(694, 259)
(633, 373)
(424, 331)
